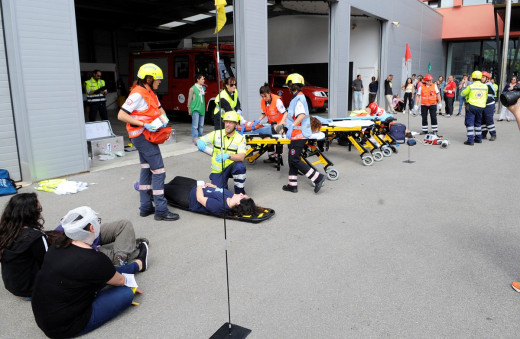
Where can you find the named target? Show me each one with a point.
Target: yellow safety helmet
(476, 75)
(150, 69)
(295, 78)
(231, 116)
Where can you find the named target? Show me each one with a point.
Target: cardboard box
(102, 141)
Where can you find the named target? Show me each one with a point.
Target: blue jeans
(197, 125)
(130, 268)
(267, 129)
(107, 305)
(462, 100)
(358, 100)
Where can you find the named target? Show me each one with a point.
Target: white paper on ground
(129, 280)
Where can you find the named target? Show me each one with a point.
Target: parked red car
(317, 97)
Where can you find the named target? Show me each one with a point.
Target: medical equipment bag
(397, 131)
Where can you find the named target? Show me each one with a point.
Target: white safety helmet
(76, 220)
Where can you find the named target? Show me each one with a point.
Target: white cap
(76, 220)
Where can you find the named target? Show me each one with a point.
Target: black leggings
(408, 97)
(178, 191)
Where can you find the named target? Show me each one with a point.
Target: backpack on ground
(7, 185)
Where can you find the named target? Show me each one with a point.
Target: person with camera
(505, 113)
(476, 96)
(96, 96)
(509, 100)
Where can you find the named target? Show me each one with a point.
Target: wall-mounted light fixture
(396, 23)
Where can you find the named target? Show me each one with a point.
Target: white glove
(439, 106)
(200, 183)
(416, 108)
(449, 91)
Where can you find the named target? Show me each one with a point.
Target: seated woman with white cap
(69, 298)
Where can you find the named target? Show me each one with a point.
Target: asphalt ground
(418, 250)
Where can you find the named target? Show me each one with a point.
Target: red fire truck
(180, 67)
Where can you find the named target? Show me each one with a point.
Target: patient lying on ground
(207, 198)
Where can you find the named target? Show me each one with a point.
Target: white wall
(365, 47)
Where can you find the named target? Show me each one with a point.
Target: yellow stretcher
(259, 144)
(364, 135)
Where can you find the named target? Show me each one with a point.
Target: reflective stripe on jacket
(231, 145)
(225, 95)
(271, 111)
(146, 116)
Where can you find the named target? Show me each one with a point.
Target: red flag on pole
(407, 54)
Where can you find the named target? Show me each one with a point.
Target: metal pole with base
(227, 330)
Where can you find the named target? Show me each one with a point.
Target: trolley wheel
(377, 155)
(252, 161)
(332, 174)
(387, 151)
(367, 160)
(394, 149)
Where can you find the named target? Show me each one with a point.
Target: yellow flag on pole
(221, 14)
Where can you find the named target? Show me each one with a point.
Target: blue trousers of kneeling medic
(151, 177)
(237, 171)
(488, 124)
(473, 122)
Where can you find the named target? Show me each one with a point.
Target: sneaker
(319, 183)
(269, 160)
(119, 261)
(167, 217)
(459, 114)
(423, 133)
(493, 138)
(448, 115)
(468, 143)
(478, 141)
(484, 137)
(140, 240)
(143, 256)
(289, 188)
(145, 214)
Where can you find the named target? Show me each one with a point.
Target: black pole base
(231, 331)
(409, 161)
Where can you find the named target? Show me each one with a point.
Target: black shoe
(145, 214)
(493, 138)
(484, 137)
(143, 256)
(140, 240)
(468, 143)
(319, 182)
(478, 141)
(288, 188)
(167, 217)
(423, 133)
(270, 160)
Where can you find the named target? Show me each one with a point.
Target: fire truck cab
(180, 67)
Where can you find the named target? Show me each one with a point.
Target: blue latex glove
(220, 157)
(150, 127)
(201, 145)
(164, 125)
(241, 130)
(256, 122)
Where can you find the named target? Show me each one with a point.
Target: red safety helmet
(373, 108)
(486, 74)
(428, 77)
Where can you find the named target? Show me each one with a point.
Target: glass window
(466, 57)
(278, 82)
(205, 65)
(476, 2)
(433, 4)
(227, 65)
(182, 66)
(446, 3)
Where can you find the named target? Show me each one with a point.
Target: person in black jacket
(22, 243)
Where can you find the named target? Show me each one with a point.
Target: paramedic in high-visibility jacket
(430, 100)
(227, 100)
(476, 95)
(229, 152)
(140, 109)
(96, 96)
(488, 123)
(299, 130)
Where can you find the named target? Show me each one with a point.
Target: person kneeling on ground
(117, 241)
(23, 244)
(69, 296)
(198, 196)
